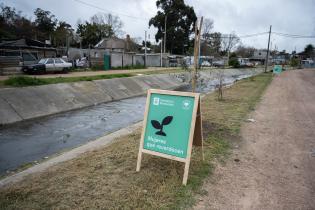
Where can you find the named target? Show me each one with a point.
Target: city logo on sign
(156, 101)
(186, 104)
(157, 125)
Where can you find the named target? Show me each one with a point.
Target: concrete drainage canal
(30, 141)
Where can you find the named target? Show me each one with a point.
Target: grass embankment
(22, 81)
(106, 178)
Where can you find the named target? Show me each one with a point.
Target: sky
(240, 16)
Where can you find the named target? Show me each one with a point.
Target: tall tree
(111, 20)
(13, 24)
(100, 26)
(63, 34)
(245, 52)
(206, 29)
(179, 26)
(229, 42)
(45, 23)
(309, 51)
(92, 33)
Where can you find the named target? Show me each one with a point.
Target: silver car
(48, 65)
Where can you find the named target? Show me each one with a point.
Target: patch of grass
(129, 67)
(22, 81)
(106, 178)
(19, 81)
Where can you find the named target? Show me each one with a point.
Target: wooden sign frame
(195, 134)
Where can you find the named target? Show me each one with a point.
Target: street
(274, 166)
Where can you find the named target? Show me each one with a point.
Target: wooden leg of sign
(139, 160)
(186, 171)
(201, 131)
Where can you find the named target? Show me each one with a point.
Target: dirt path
(274, 168)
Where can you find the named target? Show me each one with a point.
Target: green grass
(22, 81)
(129, 67)
(106, 178)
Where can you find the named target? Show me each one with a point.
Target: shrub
(234, 62)
(294, 62)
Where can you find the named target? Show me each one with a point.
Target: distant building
(112, 44)
(259, 57)
(28, 49)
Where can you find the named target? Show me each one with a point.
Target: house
(259, 57)
(29, 49)
(113, 44)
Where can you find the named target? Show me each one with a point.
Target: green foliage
(99, 27)
(179, 26)
(294, 62)
(234, 62)
(45, 23)
(92, 33)
(13, 24)
(309, 50)
(21, 81)
(138, 66)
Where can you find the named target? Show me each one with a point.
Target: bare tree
(111, 20)
(244, 51)
(207, 27)
(229, 41)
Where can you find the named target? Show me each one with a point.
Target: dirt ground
(274, 166)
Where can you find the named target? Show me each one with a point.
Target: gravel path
(274, 167)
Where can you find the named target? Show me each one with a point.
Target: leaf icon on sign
(167, 120)
(156, 124)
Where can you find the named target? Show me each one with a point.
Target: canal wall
(18, 104)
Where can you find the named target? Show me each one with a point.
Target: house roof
(111, 43)
(25, 43)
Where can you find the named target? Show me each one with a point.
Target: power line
(292, 35)
(245, 36)
(106, 10)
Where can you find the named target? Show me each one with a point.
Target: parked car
(47, 65)
(219, 63)
(205, 63)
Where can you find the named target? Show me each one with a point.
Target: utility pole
(196, 53)
(145, 48)
(161, 62)
(267, 56)
(165, 19)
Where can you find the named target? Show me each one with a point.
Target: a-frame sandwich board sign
(172, 124)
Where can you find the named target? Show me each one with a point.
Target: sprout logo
(156, 124)
(186, 104)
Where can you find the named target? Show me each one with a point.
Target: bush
(234, 62)
(294, 62)
(20, 81)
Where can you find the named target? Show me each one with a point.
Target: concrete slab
(7, 113)
(25, 102)
(113, 88)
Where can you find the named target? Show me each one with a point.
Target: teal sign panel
(277, 69)
(168, 124)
